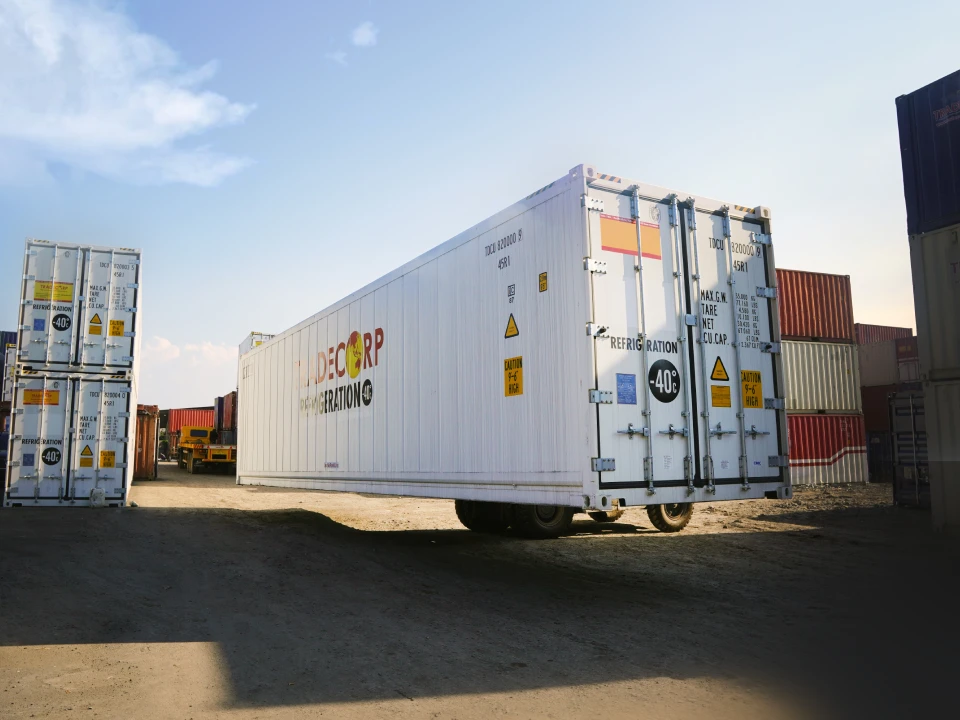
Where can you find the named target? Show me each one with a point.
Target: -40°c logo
(664, 381)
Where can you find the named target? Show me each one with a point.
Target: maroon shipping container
(230, 411)
(869, 334)
(876, 407)
(176, 419)
(815, 306)
(907, 349)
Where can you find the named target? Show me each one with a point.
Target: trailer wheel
(670, 518)
(485, 517)
(543, 521)
(606, 517)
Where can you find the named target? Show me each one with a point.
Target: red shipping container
(145, 460)
(907, 349)
(194, 417)
(869, 334)
(230, 411)
(815, 306)
(827, 449)
(876, 407)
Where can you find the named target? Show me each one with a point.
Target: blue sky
(271, 158)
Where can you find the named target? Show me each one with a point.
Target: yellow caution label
(543, 282)
(95, 330)
(720, 396)
(513, 376)
(86, 462)
(752, 389)
(116, 328)
(95, 320)
(41, 397)
(719, 372)
(86, 452)
(57, 291)
(512, 329)
(107, 458)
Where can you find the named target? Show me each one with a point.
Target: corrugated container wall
(878, 364)
(935, 262)
(876, 407)
(195, 417)
(148, 435)
(911, 470)
(929, 123)
(867, 334)
(815, 306)
(827, 449)
(230, 410)
(943, 437)
(821, 377)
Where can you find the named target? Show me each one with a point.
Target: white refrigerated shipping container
(601, 343)
(821, 377)
(71, 440)
(254, 339)
(79, 308)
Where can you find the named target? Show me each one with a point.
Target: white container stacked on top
(75, 382)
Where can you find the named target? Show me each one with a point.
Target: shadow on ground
(306, 610)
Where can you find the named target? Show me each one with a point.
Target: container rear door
(36, 469)
(108, 325)
(102, 421)
(639, 341)
(732, 349)
(50, 293)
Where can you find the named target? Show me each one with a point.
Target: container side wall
(878, 363)
(935, 263)
(943, 433)
(867, 334)
(815, 306)
(827, 449)
(821, 377)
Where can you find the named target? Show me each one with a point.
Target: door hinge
(631, 431)
(767, 292)
(595, 266)
(672, 214)
(774, 404)
(690, 320)
(772, 348)
(603, 464)
(601, 397)
(725, 218)
(760, 239)
(591, 203)
(778, 461)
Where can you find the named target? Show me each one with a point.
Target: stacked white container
(74, 388)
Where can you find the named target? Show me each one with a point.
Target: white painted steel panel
(822, 377)
(412, 385)
(942, 408)
(79, 308)
(851, 468)
(878, 363)
(70, 434)
(935, 263)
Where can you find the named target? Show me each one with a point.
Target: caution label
(41, 397)
(116, 328)
(108, 458)
(56, 291)
(512, 329)
(720, 396)
(719, 372)
(513, 376)
(96, 325)
(752, 388)
(543, 282)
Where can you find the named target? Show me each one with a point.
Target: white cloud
(161, 349)
(80, 85)
(339, 57)
(365, 35)
(210, 354)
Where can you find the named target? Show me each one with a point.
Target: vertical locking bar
(48, 348)
(705, 393)
(645, 361)
(732, 282)
(681, 301)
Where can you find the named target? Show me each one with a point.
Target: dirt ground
(211, 600)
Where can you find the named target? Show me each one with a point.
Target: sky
(271, 158)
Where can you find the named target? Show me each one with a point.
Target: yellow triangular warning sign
(86, 452)
(512, 329)
(95, 320)
(719, 372)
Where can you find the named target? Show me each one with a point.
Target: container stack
(74, 394)
(225, 418)
(183, 417)
(822, 377)
(8, 352)
(929, 124)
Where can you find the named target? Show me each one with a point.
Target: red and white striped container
(827, 449)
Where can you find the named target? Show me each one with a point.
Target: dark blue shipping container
(929, 121)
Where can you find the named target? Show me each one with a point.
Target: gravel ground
(217, 601)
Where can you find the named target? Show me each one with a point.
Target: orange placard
(41, 397)
(619, 235)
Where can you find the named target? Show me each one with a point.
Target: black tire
(606, 517)
(542, 521)
(670, 518)
(486, 517)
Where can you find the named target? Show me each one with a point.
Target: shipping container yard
(511, 440)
